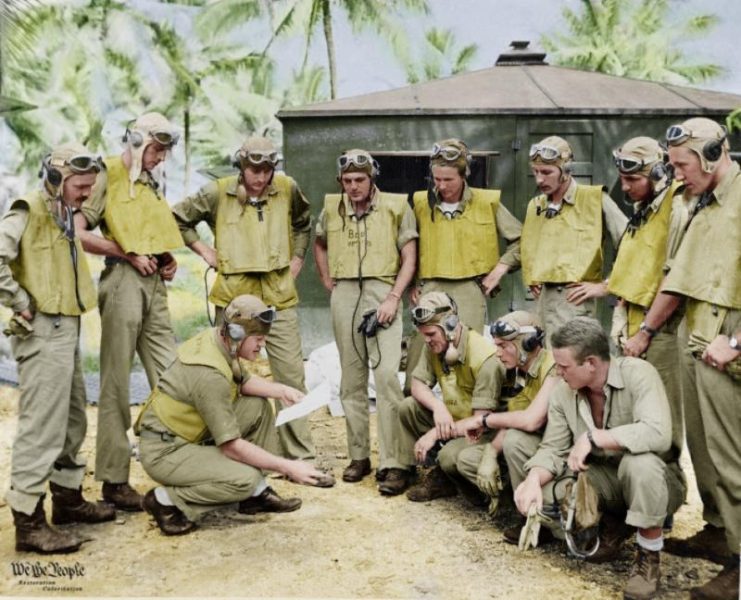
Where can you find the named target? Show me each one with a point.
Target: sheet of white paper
(316, 398)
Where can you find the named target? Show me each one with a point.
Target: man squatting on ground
(208, 431)
(609, 418)
(366, 252)
(262, 224)
(463, 362)
(139, 232)
(45, 280)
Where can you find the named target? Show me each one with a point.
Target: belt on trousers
(558, 286)
(113, 260)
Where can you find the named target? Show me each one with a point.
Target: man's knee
(643, 470)
(407, 409)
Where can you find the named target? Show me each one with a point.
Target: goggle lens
(359, 160)
(546, 153)
(447, 152)
(503, 330)
(628, 165)
(422, 314)
(165, 138)
(257, 157)
(84, 163)
(267, 316)
(676, 134)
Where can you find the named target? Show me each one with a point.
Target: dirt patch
(345, 542)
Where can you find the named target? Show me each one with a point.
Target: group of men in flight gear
(546, 396)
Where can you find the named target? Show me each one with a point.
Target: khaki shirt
(508, 227)
(12, 226)
(208, 391)
(636, 413)
(204, 206)
(488, 382)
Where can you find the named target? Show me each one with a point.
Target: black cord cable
(211, 320)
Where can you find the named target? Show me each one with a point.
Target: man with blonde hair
(139, 234)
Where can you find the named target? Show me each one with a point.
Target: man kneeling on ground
(208, 432)
(610, 418)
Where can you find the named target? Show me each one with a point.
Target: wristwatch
(649, 330)
(590, 437)
(733, 343)
(483, 422)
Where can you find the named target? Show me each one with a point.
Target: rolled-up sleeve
(12, 226)
(558, 438)
(510, 229)
(300, 221)
(201, 206)
(489, 380)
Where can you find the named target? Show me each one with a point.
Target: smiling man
(139, 234)
(366, 252)
(45, 280)
(563, 236)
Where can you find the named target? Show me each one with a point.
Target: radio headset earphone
(49, 174)
(235, 332)
(533, 341)
(135, 138)
(450, 324)
(713, 150)
(658, 171)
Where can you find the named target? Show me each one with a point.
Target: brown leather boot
(170, 519)
(645, 575)
(268, 501)
(356, 470)
(724, 585)
(613, 532)
(33, 534)
(68, 506)
(395, 481)
(122, 496)
(435, 485)
(708, 543)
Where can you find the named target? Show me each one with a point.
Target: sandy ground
(345, 542)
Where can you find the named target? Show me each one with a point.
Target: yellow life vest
(143, 224)
(252, 240)
(460, 248)
(639, 265)
(366, 246)
(44, 266)
(182, 418)
(707, 266)
(568, 247)
(457, 385)
(533, 384)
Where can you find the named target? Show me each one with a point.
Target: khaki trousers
(471, 311)
(553, 309)
(51, 411)
(199, 478)
(283, 346)
(134, 319)
(642, 485)
(712, 408)
(383, 352)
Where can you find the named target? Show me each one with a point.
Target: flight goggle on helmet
(628, 165)
(82, 163)
(547, 153)
(358, 159)
(252, 324)
(506, 331)
(257, 157)
(423, 314)
(449, 153)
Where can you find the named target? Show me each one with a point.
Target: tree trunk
(329, 38)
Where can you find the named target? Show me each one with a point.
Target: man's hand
(290, 396)
(209, 256)
(387, 310)
(581, 292)
(303, 472)
(470, 427)
(492, 279)
(528, 493)
(26, 314)
(296, 265)
(535, 290)
(577, 460)
(444, 424)
(718, 354)
(169, 266)
(487, 475)
(637, 345)
(423, 445)
(146, 265)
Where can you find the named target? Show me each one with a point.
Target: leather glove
(19, 327)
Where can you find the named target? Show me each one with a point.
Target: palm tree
(441, 57)
(307, 16)
(631, 38)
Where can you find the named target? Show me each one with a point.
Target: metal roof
(528, 89)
